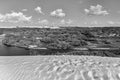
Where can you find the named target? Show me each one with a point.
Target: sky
(60, 12)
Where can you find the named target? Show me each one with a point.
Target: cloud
(96, 10)
(94, 22)
(24, 9)
(14, 17)
(63, 21)
(39, 10)
(111, 22)
(58, 13)
(44, 21)
(69, 21)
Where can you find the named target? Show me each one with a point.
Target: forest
(101, 41)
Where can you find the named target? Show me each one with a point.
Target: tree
(59, 45)
(47, 40)
(87, 33)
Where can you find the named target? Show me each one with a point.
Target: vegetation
(66, 38)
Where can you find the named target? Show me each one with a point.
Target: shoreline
(76, 49)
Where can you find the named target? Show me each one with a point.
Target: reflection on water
(12, 51)
(15, 51)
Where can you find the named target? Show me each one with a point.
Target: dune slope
(59, 68)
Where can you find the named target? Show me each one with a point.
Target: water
(15, 51)
(12, 51)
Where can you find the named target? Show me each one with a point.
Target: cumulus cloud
(14, 17)
(96, 10)
(44, 21)
(69, 21)
(24, 9)
(58, 13)
(39, 10)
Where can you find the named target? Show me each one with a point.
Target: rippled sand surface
(59, 68)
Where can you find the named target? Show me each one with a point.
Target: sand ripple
(58, 68)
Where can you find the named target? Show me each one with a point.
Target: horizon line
(52, 26)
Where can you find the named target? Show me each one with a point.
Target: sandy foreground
(59, 68)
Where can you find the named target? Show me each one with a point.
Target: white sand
(36, 67)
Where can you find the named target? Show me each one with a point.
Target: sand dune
(59, 68)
